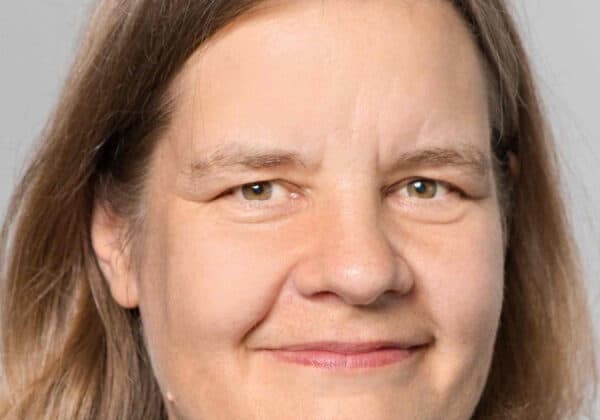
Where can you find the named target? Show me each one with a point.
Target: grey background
(38, 40)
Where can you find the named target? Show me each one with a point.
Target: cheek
(471, 302)
(459, 271)
(464, 283)
(210, 279)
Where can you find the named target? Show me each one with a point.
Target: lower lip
(331, 360)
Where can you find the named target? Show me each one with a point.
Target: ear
(113, 255)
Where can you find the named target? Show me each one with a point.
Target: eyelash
(451, 189)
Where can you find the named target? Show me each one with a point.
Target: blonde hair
(70, 352)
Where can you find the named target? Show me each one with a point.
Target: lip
(340, 355)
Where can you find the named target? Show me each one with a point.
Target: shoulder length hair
(70, 352)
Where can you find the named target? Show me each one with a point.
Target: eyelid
(433, 210)
(252, 203)
(451, 188)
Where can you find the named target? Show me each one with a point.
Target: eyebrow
(461, 156)
(253, 157)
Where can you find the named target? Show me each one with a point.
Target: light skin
(347, 246)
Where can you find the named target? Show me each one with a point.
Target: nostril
(325, 296)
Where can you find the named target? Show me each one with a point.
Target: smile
(333, 360)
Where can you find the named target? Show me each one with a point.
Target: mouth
(336, 355)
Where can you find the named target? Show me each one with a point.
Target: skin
(333, 253)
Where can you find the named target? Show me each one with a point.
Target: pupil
(257, 188)
(260, 191)
(420, 187)
(423, 189)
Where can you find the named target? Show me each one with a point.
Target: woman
(295, 210)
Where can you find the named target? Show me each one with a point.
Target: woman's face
(325, 182)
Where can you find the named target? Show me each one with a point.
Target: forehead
(304, 75)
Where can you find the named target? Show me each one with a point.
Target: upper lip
(348, 347)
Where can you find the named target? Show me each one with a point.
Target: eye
(262, 190)
(426, 188)
(260, 201)
(428, 200)
(260, 193)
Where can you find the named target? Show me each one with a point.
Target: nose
(352, 256)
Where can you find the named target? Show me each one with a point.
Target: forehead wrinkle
(254, 157)
(224, 159)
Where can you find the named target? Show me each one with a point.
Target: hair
(70, 351)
